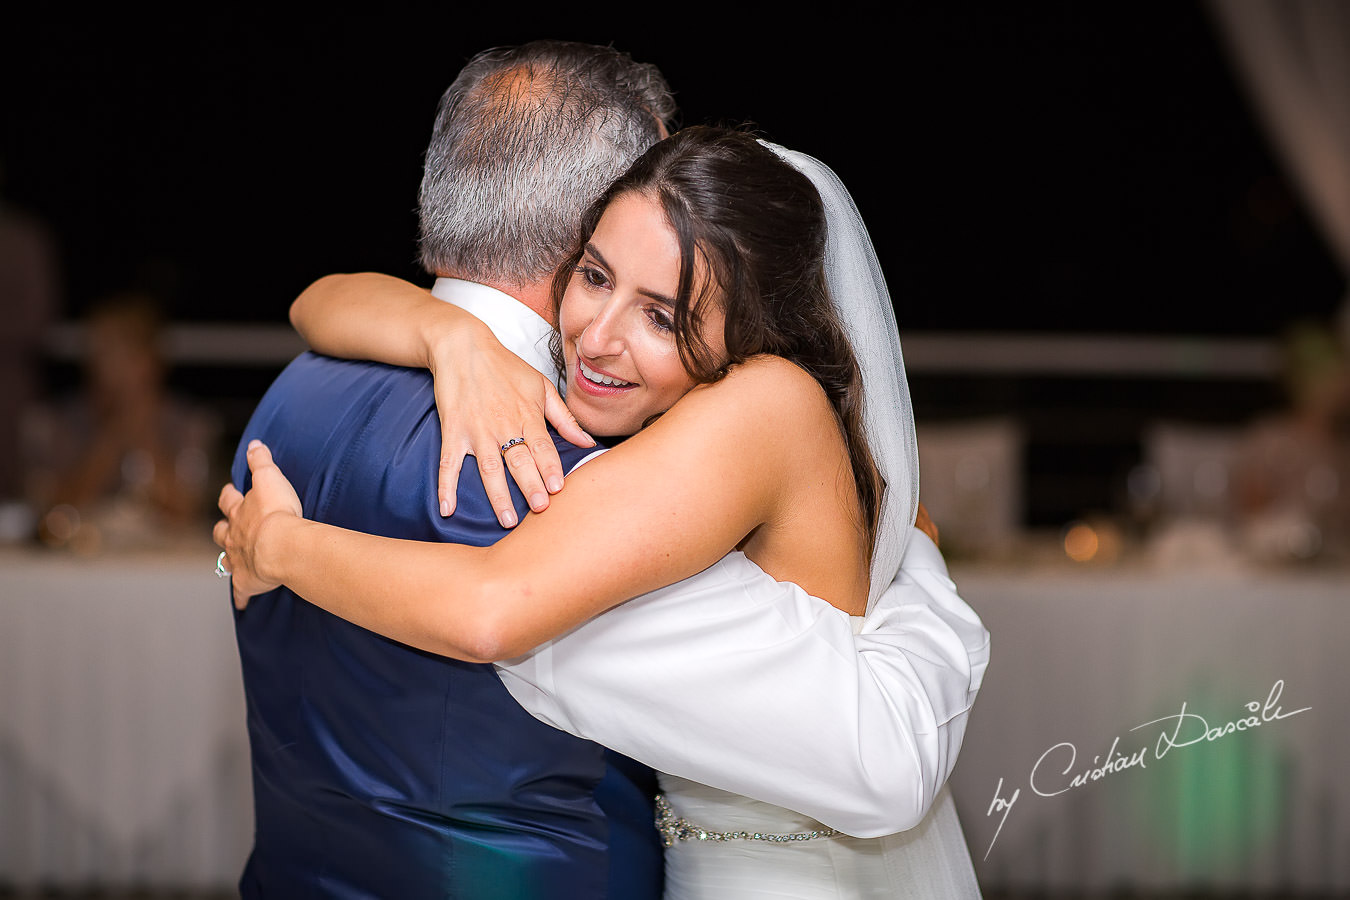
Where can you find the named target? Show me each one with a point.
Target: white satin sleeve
(743, 683)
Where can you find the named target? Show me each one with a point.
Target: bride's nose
(603, 336)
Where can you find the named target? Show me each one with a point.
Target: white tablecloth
(1082, 656)
(123, 746)
(124, 757)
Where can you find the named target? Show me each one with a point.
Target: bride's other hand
(487, 397)
(242, 533)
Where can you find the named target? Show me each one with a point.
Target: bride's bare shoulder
(771, 388)
(769, 373)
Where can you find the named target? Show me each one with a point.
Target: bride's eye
(592, 276)
(660, 319)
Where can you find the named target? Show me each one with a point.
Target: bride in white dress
(830, 501)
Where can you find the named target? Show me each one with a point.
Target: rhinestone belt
(673, 828)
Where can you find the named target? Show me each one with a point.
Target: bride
(704, 319)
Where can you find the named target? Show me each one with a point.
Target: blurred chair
(1188, 470)
(970, 479)
(1182, 494)
(123, 461)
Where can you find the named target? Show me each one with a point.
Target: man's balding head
(525, 139)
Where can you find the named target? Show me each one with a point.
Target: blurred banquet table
(1142, 729)
(123, 744)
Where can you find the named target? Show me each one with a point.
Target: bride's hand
(486, 397)
(485, 394)
(242, 532)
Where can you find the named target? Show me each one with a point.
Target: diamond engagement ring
(511, 443)
(221, 571)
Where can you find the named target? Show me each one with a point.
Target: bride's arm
(485, 393)
(366, 315)
(664, 505)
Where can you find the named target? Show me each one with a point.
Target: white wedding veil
(858, 291)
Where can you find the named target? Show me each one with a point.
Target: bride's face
(615, 320)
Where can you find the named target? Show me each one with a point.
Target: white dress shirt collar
(520, 329)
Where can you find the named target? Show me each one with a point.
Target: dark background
(1038, 166)
(1057, 167)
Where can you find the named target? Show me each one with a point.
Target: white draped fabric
(1294, 58)
(859, 293)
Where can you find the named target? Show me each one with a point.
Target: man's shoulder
(314, 384)
(322, 413)
(312, 362)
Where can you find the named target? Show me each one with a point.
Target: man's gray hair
(525, 139)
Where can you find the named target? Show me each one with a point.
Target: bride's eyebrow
(600, 258)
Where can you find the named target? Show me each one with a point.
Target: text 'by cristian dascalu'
(1058, 770)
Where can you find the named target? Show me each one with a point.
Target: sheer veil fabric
(858, 291)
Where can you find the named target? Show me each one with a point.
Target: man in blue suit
(383, 771)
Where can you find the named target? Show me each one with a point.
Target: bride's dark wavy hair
(758, 226)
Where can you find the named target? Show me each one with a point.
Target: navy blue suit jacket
(384, 771)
